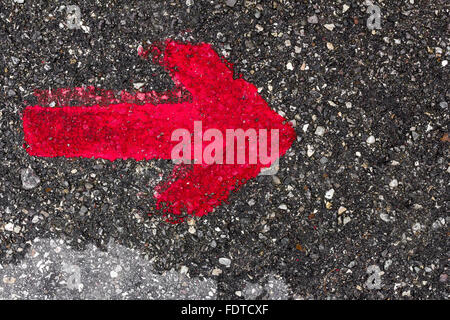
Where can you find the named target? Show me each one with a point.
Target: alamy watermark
(230, 146)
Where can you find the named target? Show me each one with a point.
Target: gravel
(313, 19)
(29, 179)
(225, 261)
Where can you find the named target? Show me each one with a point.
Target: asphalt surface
(358, 209)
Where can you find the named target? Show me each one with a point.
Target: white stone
(225, 261)
(370, 140)
(9, 227)
(138, 85)
(387, 264)
(184, 270)
(346, 220)
(393, 183)
(29, 178)
(305, 127)
(406, 293)
(320, 131)
(329, 194)
(417, 227)
(289, 66)
(310, 151)
(231, 3)
(313, 19)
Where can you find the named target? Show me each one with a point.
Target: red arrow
(124, 129)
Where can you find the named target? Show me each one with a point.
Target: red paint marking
(90, 95)
(140, 127)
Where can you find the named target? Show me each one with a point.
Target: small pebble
(276, 180)
(385, 217)
(138, 85)
(191, 230)
(320, 131)
(289, 66)
(393, 183)
(225, 261)
(416, 227)
(329, 194)
(9, 280)
(230, 3)
(184, 270)
(29, 178)
(346, 220)
(370, 140)
(387, 264)
(310, 151)
(216, 272)
(313, 19)
(323, 160)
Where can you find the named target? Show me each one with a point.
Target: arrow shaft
(140, 132)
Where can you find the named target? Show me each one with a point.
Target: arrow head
(224, 103)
